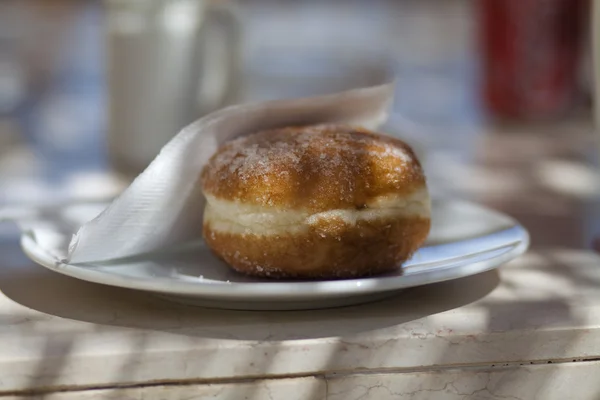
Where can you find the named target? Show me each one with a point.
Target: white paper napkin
(164, 205)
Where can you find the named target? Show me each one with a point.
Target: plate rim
(279, 290)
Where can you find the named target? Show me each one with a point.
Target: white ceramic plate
(466, 239)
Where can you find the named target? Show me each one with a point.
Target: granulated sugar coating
(326, 201)
(314, 168)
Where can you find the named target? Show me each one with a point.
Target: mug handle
(220, 76)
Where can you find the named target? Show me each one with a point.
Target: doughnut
(315, 202)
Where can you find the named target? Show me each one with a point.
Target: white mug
(169, 62)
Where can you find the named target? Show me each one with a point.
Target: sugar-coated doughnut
(323, 201)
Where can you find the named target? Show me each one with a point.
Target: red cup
(531, 53)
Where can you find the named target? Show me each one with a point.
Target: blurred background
(494, 95)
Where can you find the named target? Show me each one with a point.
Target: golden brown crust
(367, 248)
(316, 168)
(301, 189)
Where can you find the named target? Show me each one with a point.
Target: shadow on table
(62, 296)
(548, 292)
(115, 309)
(112, 309)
